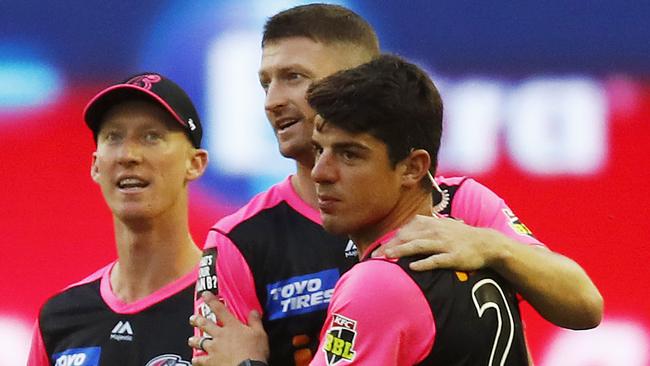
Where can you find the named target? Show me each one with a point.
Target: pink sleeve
(235, 279)
(377, 316)
(37, 352)
(225, 266)
(478, 206)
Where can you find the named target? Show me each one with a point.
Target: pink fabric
(383, 239)
(376, 294)
(120, 307)
(282, 191)
(37, 352)
(98, 274)
(478, 206)
(232, 268)
(236, 282)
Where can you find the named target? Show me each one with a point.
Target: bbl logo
(340, 340)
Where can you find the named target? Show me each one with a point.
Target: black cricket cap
(160, 90)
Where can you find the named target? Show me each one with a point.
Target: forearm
(556, 286)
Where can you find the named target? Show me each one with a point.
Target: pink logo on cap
(145, 81)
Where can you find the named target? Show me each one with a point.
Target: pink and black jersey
(383, 313)
(87, 325)
(273, 256)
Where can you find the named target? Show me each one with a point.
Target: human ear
(197, 164)
(416, 167)
(94, 170)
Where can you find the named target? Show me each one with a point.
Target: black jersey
(86, 325)
(383, 313)
(273, 256)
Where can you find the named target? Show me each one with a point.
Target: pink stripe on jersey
(232, 268)
(282, 191)
(37, 352)
(161, 294)
(98, 274)
(236, 284)
(450, 181)
(382, 240)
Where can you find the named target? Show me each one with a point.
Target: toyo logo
(78, 357)
(301, 294)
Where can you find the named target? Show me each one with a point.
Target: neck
(151, 254)
(410, 204)
(304, 185)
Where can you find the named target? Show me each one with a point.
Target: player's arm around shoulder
(555, 285)
(543, 277)
(491, 236)
(377, 316)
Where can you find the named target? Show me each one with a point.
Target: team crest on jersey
(339, 342)
(168, 360)
(516, 224)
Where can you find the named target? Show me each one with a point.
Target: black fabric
(78, 318)
(279, 243)
(463, 338)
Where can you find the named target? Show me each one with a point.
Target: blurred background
(547, 103)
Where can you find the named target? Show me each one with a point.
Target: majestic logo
(88, 356)
(145, 81)
(351, 250)
(516, 224)
(339, 342)
(167, 360)
(300, 294)
(122, 331)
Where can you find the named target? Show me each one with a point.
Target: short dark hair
(324, 23)
(389, 98)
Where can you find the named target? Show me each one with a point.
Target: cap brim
(95, 109)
